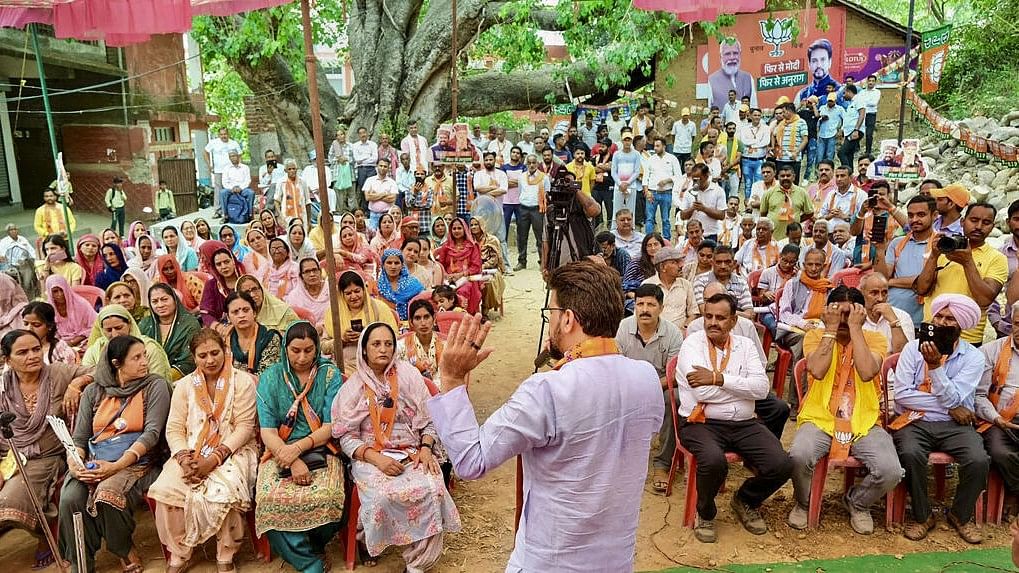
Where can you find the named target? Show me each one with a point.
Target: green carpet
(972, 561)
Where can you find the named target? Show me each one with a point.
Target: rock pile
(987, 179)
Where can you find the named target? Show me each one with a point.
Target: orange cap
(956, 192)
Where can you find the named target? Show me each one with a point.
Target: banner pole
(905, 69)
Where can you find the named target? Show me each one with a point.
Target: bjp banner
(934, 52)
(757, 58)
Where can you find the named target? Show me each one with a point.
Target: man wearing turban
(935, 397)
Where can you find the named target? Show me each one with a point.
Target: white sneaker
(797, 517)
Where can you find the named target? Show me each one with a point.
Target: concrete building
(142, 129)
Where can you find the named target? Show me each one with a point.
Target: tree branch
(493, 91)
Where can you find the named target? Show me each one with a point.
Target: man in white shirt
(755, 137)
(719, 377)
(366, 157)
(615, 124)
(534, 184)
(491, 181)
(870, 97)
(217, 157)
(15, 246)
(501, 147)
(835, 259)
(236, 181)
(730, 111)
(380, 191)
(478, 139)
(845, 201)
(705, 202)
(270, 174)
(588, 131)
(762, 186)
(684, 132)
(760, 253)
(416, 146)
(660, 174)
(526, 144)
(894, 323)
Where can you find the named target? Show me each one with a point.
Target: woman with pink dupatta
(75, 315)
(225, 270)
(355, 253)
(88, 258)
(460, 256)
(186, 284)
(257, 261)
(388, 236)
(282, 275)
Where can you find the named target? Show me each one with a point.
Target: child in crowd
(445, 299)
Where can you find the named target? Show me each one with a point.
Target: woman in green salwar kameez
(172, 327)
(299, 495)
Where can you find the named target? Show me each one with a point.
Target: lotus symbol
(776, 33)
(937, 63)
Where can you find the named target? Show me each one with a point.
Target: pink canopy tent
(119, 22)
(691, 11)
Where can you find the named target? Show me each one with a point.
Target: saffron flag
(934, 53)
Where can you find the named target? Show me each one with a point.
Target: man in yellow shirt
(839, 414)
(49, 217)
(582, 171)
(978, 271)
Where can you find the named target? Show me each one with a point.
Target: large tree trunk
(401, 63)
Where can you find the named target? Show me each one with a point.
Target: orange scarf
(902, 245)
(841, 404)
(868, 224)
(382, 420)
(786, 214)
(998, 381)
(793, 149)
(852, 203)
(818, 294)
(726, 237)
(770, 255)
(697, 414)
(907, 416)
(597, 346)
(410, 342)
(212, 407)
(292, 199)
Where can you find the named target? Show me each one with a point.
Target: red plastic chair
(752, 281)
(996, 493)
(850, 277)
(825, 464)
(446, 318)
(939, 461)
(683, 457)
(784, 359)
(303, 314)
(94, 295)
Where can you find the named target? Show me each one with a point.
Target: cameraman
(977, 270)
(577, 241)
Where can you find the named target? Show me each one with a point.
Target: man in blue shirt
(935, 400)
(829, 120)
(904, 258)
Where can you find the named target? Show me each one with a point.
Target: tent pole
(326, 217)
(905, 69)
(53, 133)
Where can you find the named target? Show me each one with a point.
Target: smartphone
(943, 337)
(272, 163)
(878, 230)
(356, 325)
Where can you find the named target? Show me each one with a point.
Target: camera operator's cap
(955, 192)
(668, 254)
(626, 134)
(685, 111)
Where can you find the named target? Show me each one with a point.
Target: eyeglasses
(547, 309)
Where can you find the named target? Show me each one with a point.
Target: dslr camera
(949, 243)
(563, 188)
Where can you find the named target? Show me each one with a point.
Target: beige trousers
(170, 527)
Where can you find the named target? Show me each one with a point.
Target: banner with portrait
(899, 161)
(757, 58)
(875, 60)
(453, 145)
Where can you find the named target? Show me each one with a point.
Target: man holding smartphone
(935, 395)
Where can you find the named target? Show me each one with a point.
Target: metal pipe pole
(326, 217)
(905, 68)
(454, 88)
(53, 132)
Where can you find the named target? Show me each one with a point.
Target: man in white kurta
(582, 429)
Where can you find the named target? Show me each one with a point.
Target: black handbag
(314, 459)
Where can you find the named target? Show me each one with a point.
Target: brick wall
(95, 154)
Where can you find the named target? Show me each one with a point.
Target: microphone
(7, 418)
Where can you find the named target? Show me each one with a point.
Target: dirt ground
(487, 505)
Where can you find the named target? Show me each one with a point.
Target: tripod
(557, 236)
(6, 418)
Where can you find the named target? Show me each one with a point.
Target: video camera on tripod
(563, 189)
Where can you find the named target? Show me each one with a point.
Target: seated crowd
(195, 365)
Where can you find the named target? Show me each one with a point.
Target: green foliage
(224, 95)
(982, 70)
